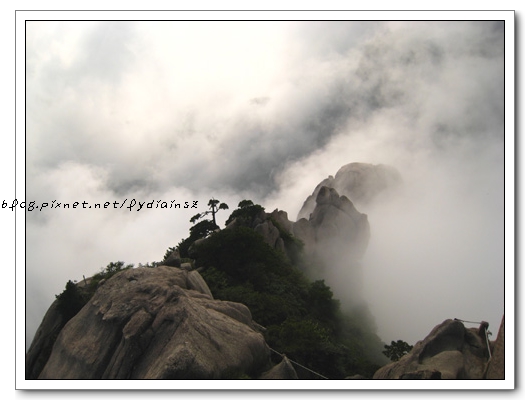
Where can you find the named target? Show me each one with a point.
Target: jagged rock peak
(329, 196)
(334, 224)
(359, 182)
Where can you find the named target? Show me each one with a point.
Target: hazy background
(264, 111)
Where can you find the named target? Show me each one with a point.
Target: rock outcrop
(42, 343)
(151, 323)
(282, 371)
(334, 226)
(271, 235)
(163, 323)
(275, 227)
(361, 183)
(495, 368)
(334, 232)
(173, 259)
(450, 351)
(335, 238)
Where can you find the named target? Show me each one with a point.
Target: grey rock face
(282, 371)
(173, 259)
(42, 343)
(495, 368)
(155, 323)
(361, 183)
(282, 219)
(186, 266)
(195, 281)
(335, 238)
(333, 220)
(270, 233)
(334, 232)
(450, 351)
(264, 224)
(337, 224)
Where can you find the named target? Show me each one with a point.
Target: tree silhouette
(396, 350)
(246, 212)
(215, 207)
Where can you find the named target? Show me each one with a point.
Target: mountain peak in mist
(245, 301)
(335, 233)
(362, 183)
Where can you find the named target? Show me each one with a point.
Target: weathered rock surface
(282, 219)
(282, 371)
(334, 226)
(335, 237)
(271, 235)
(173, 259)
(361, 183)
(450, 351)
(266, 224)
(43, 341)
(152, 323)
(495, 368)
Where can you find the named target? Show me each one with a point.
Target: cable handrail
(486, 332)
(298, 364)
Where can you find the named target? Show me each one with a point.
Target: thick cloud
(265, 111)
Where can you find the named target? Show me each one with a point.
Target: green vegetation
(148, 265)
(293, 246)
(200, 230)
(214, 206)
(246, 212)
(108, 272)
(302, 318)
(71, 301)
(396, 350)
(74, 297)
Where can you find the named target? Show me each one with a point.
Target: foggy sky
(265, 111)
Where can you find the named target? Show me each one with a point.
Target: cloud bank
(265, 111)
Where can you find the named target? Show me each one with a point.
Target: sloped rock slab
(157, 323)
(450, 351)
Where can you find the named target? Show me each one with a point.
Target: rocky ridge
(151, 323)
(163, 323)
(334, 239)
(361, 183)
(451, 351)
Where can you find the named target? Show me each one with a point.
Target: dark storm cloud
(253, 150)
(364, 82)
(328, 92)
(258, 151)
